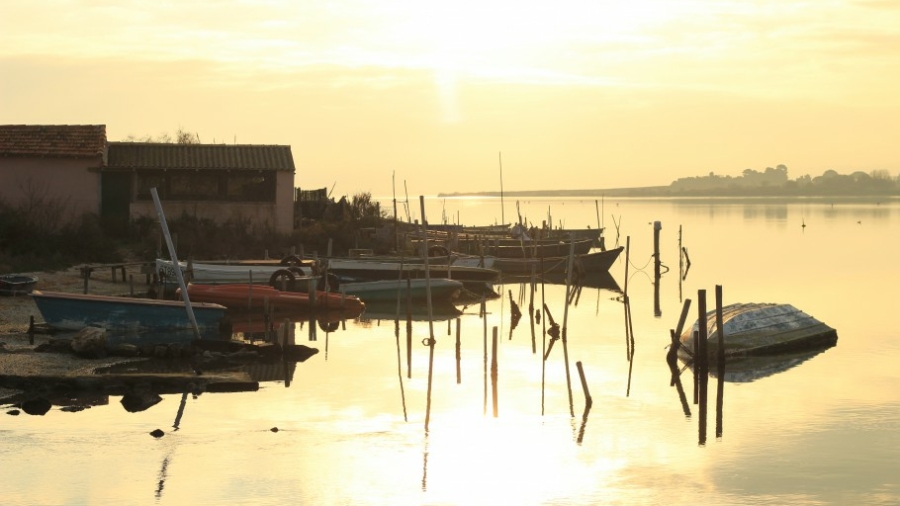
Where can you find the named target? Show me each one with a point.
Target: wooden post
(131, 284)
(681, 319)
(485, 356)
(588, 401)
(86, 274)
(31, 329)
(494, 370)
(719, 330)
(627, 261)
(458, 354)
(565, 323)
(431, 340)
(702, 357)
(172, 248)
(657, 226)
(266, 321)
(720, 386)
(250, 291)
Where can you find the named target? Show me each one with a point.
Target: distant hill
(773, 182)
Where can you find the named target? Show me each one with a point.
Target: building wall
(75, 182)
(279, 215)
(284, 202)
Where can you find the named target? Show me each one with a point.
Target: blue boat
(74, 311)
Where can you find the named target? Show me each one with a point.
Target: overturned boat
(759, 329)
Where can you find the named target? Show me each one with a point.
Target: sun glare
(478, 38)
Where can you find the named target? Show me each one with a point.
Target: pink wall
(75, 182)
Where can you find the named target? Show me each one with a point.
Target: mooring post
(657, 226)
(458, 354)
(266, 318)
(588, 401)
(31, 329)
(131, 284)
(494, 370)
(720, 332)
(702, 357)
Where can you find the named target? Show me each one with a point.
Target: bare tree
(182, 136)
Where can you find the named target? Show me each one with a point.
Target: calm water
(351, 419)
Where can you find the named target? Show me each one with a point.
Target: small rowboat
(17, 284)
(761, 329)
(74, 311)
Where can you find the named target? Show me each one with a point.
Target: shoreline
(27, 373)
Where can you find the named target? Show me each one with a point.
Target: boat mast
(178, 274)
(502, 215)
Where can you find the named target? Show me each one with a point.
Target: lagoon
(351, 420)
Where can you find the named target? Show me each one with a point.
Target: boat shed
(75, 169)
(253, 183)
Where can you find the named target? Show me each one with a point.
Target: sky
(385, 96)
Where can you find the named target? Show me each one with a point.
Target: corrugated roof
(149, 155)
(79, 141)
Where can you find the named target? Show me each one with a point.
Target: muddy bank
(46, 367)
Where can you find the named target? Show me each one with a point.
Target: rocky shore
(41, 365)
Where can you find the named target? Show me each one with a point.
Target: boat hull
(514, 248)
(761, 329)
(594, 262)
(415, 289)
(375, 271)
(257, 297)
(72, 311)
(207, 273)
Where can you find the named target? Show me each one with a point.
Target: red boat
(255, 297)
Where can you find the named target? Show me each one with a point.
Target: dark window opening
(208, 185)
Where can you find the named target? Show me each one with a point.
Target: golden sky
(569, 93)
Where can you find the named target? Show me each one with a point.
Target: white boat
(208, 273)
(361, 270)
(760, 329)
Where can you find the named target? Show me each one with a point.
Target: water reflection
(378, 310)
(749, 369)
(735, 370)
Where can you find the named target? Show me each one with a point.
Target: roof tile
(80, 141)
(150, 155)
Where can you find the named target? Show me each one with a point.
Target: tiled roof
(52, 141)
(147, 155)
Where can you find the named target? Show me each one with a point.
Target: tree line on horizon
(773, 181)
